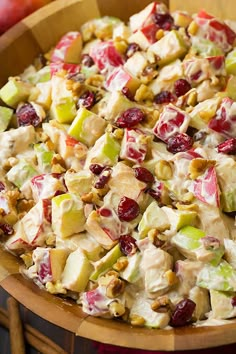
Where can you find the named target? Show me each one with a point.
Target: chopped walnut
(143, 93)
(198, 166)
(161, 304)
(115, 288)
(95, 80)
(116, 309)
(25, 205)
(136, 320)
(121, 264)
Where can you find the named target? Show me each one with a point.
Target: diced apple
(153, 319)
(153, 218)
(172, 120)
(5, 117)
(64, 111)
(134, 146)
(230, 90)
(230, 252)
(44, 157)
(206, 189)
(105, 151)
(117, 103)
(79, 183)
(136, 63)
(132, 273)
(95, 302)
(145, 36)
(222, 304)
(22, 172)
(18, 242)
(67, 215)
(44, 96)
(34, 77)
(226, 169)
(121, 31)
(179, 218)
(182, 19)
(145, 17)
(69, 68)
(106, 262)
(87, 127)
(120, 78)
(221, 277)
(105, 56)
(77, 271)
(224, 120)
(8, 208)
(45, 186)
(68, 49)
(198, 119)
(200, 297)
(14, 92)
(230, 63)
(169, 47)
(93, 226)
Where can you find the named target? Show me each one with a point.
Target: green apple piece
(105, 151)
(201, 298)
(89, 71)
(230, 89)
(221, 277)
(67, 215)
(79, 183)
(14, 92)
(63, 111)
(142, 307)
(200, 121)
(87, 127)
(226, 170)
(57, 262)
(77, 270)
(230, 63)
(132, 273)
(114, 104)
(205, 47)
(21, 173)
(230, 252)
(44, 157)
(189, 238)
(153, 218)
(221, 304)
(106, 262)
(170, 47)
(5, 117)
(42, 75)
(179, 218)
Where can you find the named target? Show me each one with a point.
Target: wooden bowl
(18, 47)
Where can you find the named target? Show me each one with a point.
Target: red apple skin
(12, 11)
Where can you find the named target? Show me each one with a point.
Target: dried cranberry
(127, 244)
(228, 147)
(128, 209)
(155, 194)
(87, 100)
(2, 186)
(164, 97)
(96, 169)
(132, 48)
(181, 87)
(105, 212)
(58, 192)
(233, 301)
(26, 115)
(86, 60)
(182, 313)
(127, 93)
(103, 178)
(179, 142)
(144, 175)
(7, 229)
(130, 118)
(164, 21)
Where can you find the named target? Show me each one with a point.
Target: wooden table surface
(67, 340)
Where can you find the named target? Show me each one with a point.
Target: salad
(117, 168)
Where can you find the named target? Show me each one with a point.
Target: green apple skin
(44, 157)
(67, 215)
(15, 91)
(63, 111)
(77, 270)
(21, 173)
(169, 47)
(153, 218)
(132, 273)
(179, 218)
(230, 63)
(79, 183)
(205, 47)
(221, 304)
(5, 117)
(221, 277)
(106, 262)
(230, 89)
(87, 127)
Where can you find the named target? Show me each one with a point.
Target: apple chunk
(77, 271)
(120, 78)
(67, 215)
(5, 117)
(14, 92)
(68, 49)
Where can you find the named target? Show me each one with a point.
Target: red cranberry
(96, 169)
(144, 175)
(164, 97)
(2, 186)
(127, 244)
(164, 21)
(182, 313)
(130, 118)
(26, 115)
(58, 192)
(128, 209)
(103, 178)
(105, 212)
(86, 60)
(127, 93)
(132, 48)
(179, 142)
(7, 229)
(228, 147)
(233, 301)
(181, 87)
(154, 193)
(87, 100)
